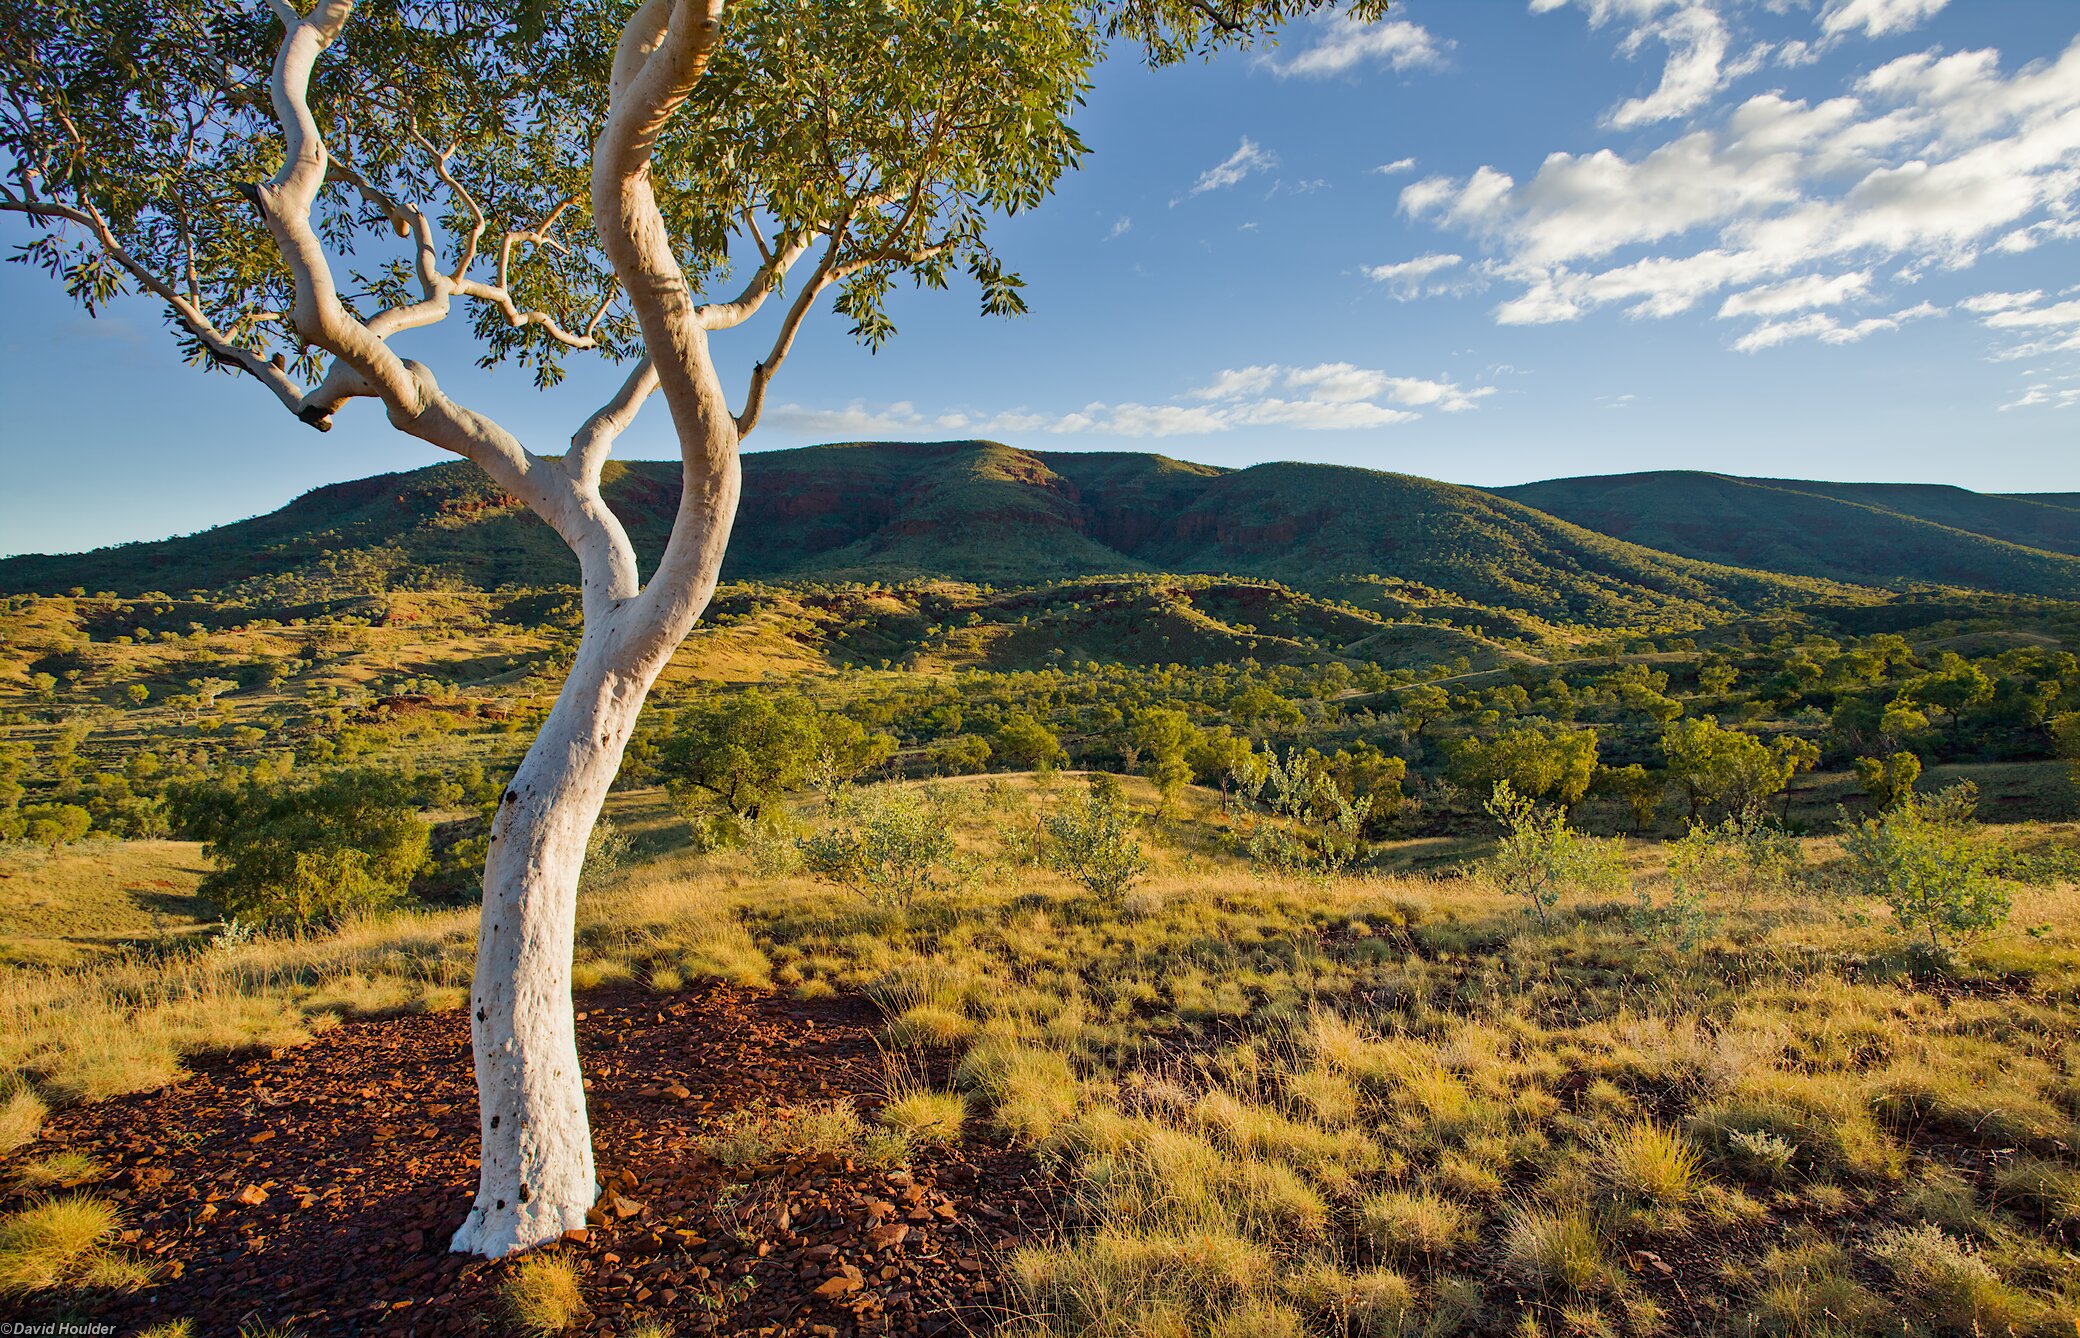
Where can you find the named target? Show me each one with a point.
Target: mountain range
(1622, 550)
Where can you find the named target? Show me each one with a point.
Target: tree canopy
(870, 139)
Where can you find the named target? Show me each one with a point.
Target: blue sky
(1485, 241)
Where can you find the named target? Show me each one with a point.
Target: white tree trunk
(536, 1178)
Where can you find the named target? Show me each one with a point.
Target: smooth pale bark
(536, 1180)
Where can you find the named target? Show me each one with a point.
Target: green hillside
(1878, 534)
(971, 511)
(2034, 522)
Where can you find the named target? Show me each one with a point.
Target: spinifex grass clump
(63, 1243)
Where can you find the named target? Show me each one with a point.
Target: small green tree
(1734, 859)
(745, 751)
(312, 854)
(1717, 679)
(1639, 789)
(607, 848)
(1921, 859)
(1314, 828)
(1715, 767)
(1541, 856)
(1028, 744)
(1094, 839)
(54, 825)
(1955, 687)
(889, 845)
(961, 755)
(1551, 765)
(1422, 706)
(2065, 734)
(1888, 780)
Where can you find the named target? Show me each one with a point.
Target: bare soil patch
(318, 1186)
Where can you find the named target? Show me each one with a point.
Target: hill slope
(1884, 534)
(974, 511)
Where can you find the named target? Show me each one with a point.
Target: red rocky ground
(318, 1187)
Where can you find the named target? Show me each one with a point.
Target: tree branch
(764, 283)
(220, 347)
(797, 311)
(663, 51)
(591, 443)
(408, 390)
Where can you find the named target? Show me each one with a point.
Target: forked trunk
(536, 1180)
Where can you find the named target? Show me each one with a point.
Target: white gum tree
(299, 187)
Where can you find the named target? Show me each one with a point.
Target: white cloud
(1697, 38)
(1827, 329)
(2037, 318)
(1396, 168)
(1342, 46)
(1813, 290)
(1787, 205)
(1877, 18)
(1246, 159)
(1986, 302)
(2044, 394)
(1793, 55)
(1121, 228)
(851, 423)
(1697, 41)
(1238, 382)
(1408, 277)
(1344, 383)
(1327, 397)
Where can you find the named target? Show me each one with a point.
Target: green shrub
(1920, 859)
(1889, 781)
(312, 854)
(889, 845)
(1541, 856)
(1093, 839)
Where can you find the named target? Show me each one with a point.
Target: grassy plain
(1393, 1103)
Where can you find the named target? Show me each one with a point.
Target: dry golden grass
(923, 1117)
(71, 905)
(541, 1296)
(1649, 1162)
(1327, 1107)
(1415, 1224)
(754, 1137)
(1556, 1250)
(21, 1118)
(63, 1242)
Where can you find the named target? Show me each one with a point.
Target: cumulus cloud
(1827, 329)
(1877, 18)
(1247, 159)
(1327, 397)
(1396, 168)
(1929, 160)
(1697, 40)
(1407, 278)
(1341, 46)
